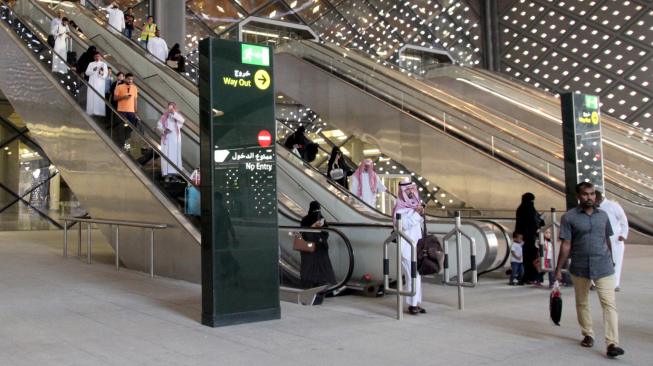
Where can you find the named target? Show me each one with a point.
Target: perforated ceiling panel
(602, 47)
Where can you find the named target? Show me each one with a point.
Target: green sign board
(240, 247)
(582, 142)
(255, 55)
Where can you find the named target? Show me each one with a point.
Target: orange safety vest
(148, 32)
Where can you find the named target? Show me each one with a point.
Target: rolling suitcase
(193, 207)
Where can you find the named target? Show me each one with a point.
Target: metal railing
(554, 226)
(459, 282)
(396, 237)
(111, 223)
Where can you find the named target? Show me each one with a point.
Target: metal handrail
(111, 223)
(460, 283)
(396, 237)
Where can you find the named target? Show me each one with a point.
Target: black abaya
(316, 269)
(528, 223)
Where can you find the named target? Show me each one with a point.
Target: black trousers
(122, 132)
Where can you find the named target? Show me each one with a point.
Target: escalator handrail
(151, 144)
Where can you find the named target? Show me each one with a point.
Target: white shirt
(158, 47)
(516, 248)
(116, 18)
(617, 216)
(53, 25)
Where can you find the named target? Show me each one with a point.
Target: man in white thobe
(409, 206)
(170, 126)
(366, 184)
(116, 18)
(97, 73)
(158, 47)
(55, 22)
(619, 223)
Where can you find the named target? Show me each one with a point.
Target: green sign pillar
(582, 142)
(240, 248)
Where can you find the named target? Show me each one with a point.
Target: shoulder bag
(301, 245)
(336, 173)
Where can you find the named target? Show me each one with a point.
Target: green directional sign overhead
(255, 55)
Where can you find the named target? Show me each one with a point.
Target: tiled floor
(56, 311)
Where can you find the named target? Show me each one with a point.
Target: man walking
(619, 223)
(585, 232)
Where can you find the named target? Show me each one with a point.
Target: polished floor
(56, 311)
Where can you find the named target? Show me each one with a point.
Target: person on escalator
(61, 39)
(148, 31)
(129, 22)
(85, 59)
(55, 22)
(316, 268)
(158, 47)
(337, 169)
(170, 126)
(528, 223)
(97, 73)
(410, 208)
(366, 184)
(175, 59)
(126, 95)
(116, 18)
(297, 142)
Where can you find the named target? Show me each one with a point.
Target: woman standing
(61, 35)
(316, 269)
(337, 168)
(411, 210)
(175, 57)
(170, 126)
(528, 223)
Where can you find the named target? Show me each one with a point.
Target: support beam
(170, 16)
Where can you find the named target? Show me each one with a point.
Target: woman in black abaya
(528, 223)
(316, 269)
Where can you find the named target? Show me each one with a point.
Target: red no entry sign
(264, 138)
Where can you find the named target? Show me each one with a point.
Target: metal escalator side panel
(104, 180)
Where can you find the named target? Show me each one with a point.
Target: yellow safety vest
(148, 32)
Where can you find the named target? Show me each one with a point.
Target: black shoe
(587, 342)
(614, 351)
(421, 310)
(413, 310)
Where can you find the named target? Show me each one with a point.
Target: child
(548, 256)
(516, 259)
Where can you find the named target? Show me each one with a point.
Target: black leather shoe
(587, 342)
(413, 310)
(614, 351)
(421, 310)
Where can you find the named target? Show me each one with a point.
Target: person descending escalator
(169, 126)
(97, 73)
(337, 169)
(366, 184)
(129, 22)
(148, 31)
(61, 39)
(175, 59)
(528, 223)
(158, 47)
(116, 18)
(84, 59)
(301, 145)
(316, 269)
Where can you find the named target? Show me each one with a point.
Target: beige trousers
(605, 289)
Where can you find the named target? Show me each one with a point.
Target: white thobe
(171, 143)
(367, 195)
(411, 224)
(116, 18)
(158, 47)
(97, 73)
(60, 48)
(54, 23)
(619, 223)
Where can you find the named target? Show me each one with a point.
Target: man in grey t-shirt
(585, 232)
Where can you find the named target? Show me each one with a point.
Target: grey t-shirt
(590, 255)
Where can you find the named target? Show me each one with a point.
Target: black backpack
(430, 256)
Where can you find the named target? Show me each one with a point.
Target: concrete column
(55, 192)
(170, 16)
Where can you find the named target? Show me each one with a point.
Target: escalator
(104, 171)
(535, 158)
